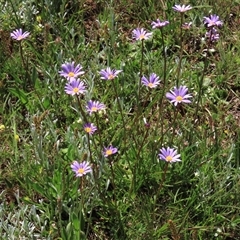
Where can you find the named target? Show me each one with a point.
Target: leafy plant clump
(119, 120)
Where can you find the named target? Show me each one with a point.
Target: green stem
(159, 191)
(141, 70)
(181, 51)
(90, 153)
(24, 64)
(164, 60)
(172, 125)
(163, 179)
(159, 122)
(98, 127)
(135, 169)
(174, 121)
(113, 177)
(121, 113)
(82, 206)
(200, 87)
(81, 110)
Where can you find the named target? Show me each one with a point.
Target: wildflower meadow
(119, 120)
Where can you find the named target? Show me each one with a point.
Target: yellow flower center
(150, 85)
(94, 109)
(211, 22)
(81, 170)
(19, 38)
(141, 36)
(111, 76)
(169, 158)
(76, 90)
(71, 74)
(88, 129)
(109, 152)
(179, 98)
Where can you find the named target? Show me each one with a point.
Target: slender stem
(158, 191)
(97, 145)
(141, 146)
(141, 70)
(59, 207)
(121, 226)
(81, 110)
(181, 51)
(163, 179)
(139, 86)
(98, 127)
(174, 121)
(136, 166)
(21, 55)
(200, 87)
(92, 162)
(25, 66)
(160, 115)
(159, 122)
(164, 60)
(82, 205)
(113, 177)
(89, 148)
(15, 142)
(121, 113)
(176, 110)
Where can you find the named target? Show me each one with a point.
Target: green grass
(132, 194)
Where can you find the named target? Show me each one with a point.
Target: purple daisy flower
(179, 95)
(90, 128)
(19, 34)
(109, 151)
(169, 155)
(81, 169)
(108, 74)
(70, 71)
(212, 21)
(95, 106)
(152, 82)
(182, 8)
(141, 34)
(75, 87)
(212, 34)
(159, 24)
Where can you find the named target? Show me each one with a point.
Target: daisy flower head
(140, 34)
(182, 8)
(75, 87)
(70, 71)
(109, 74)
(90, 128)
(159, 24)
(212, 21)
(108, 151)
(152, 82)
(95, 106)
(179, 95)
(169, 155)
(19, 35)
(81, 169)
